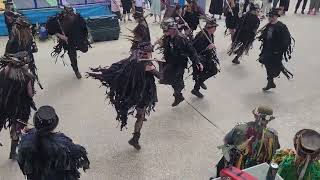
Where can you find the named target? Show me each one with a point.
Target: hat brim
(271, 14)
(211, 25)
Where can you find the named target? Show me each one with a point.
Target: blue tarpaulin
(35, 4)
(3, 28)
(41, 15)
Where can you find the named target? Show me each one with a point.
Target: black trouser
(141, 112)
(72, 52)
(209, 69)
(178, 82)
(173, 75)
(273, 64)
(303, 5)
(273, 70)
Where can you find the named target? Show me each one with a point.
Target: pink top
(115, 5)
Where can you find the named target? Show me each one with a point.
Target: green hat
(264, 112)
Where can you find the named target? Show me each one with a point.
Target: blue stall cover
(36, 4)
(3, 27)
(41, 15)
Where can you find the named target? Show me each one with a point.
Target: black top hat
(211, 22)
(145, 46)
(307, 142)
(45, 119)
(275, 12)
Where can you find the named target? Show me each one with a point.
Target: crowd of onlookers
(124, 8)
(314, 6)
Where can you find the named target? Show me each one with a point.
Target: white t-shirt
(139, 3)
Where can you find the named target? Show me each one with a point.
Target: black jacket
(177, 50)
(276, 39)
(200, 42)
(76, 31)
(247, 28)
(192, 18)
(51, 157)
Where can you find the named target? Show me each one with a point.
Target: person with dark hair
(47, 155)
(71, 29)
(141, 32)
(303, 6)
(276, 46)
(131, 87)
(232, 17)
(252, 143)
(9, 16)
(204, 45)
(177, 15)
(177, 50)
(245, 33)
(21, 39)
(16, 92)
(303, 162)
(192, 16)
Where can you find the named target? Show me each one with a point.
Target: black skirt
(126, 5)
(232, 20)
(216, 7)
(285, 4)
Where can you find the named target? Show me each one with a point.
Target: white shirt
(139, 3)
